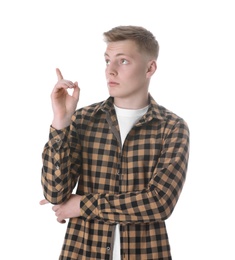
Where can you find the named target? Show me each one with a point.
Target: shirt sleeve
(157, 201)
(61, 163)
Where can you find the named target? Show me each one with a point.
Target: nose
(111, 69)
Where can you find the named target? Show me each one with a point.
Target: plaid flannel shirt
(136, 185)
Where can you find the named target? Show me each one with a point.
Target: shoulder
(173, 120)
(169, 119)
(162, 113)
(167, 114)
(89, 110)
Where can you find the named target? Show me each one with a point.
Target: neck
(132, 103)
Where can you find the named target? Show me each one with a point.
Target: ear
(152, 67)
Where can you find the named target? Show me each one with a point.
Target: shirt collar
(154, 110)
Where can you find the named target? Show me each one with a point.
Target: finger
(76, 91)
(61, 221)
(55, 208)
(59, 74)
(43, 202)
(62, 84)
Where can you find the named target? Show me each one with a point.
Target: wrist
(60, 123)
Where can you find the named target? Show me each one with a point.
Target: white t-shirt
(126, 120)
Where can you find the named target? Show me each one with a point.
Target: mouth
(112, 84)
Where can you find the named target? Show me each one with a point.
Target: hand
(68, 209)
(63, 104)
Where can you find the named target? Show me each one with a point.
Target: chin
(116, 94)
(112, 93)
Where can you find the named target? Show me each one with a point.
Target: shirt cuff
(58, 138)
(89, 206)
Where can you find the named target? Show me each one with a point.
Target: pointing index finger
(59, 74)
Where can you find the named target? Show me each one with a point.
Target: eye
(124, 61)
(107, 62)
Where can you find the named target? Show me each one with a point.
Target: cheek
(134, 72)
(138, 74)
(106, 71)
(140, 70)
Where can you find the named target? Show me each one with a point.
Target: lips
(113, 83)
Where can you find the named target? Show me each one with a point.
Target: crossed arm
(156, 202)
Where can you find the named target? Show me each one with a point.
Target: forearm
(155, 203)
(61, 122)
(131, 207)
(59, 171)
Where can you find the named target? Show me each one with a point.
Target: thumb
(59, 74)
(43, 202)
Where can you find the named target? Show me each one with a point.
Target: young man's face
(127, 70)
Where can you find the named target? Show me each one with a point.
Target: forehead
(126, 47)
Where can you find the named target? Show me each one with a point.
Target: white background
(195, 78)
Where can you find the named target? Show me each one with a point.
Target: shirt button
(108, 248)
(57, 167)
(57, 140)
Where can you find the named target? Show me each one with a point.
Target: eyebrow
(119, 54)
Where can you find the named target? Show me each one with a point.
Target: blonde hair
(143, 38)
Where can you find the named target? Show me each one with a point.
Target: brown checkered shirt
(137, 185)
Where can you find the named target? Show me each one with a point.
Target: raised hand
(63, 104)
